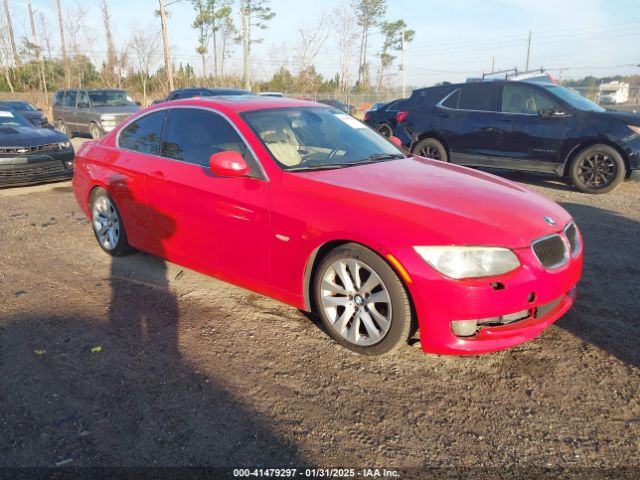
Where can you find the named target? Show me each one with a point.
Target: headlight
(469, 262)
(634, 129)
(62, 145)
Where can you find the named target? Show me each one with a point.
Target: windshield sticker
(6, 114)
(349, 120)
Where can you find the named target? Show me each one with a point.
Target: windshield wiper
(376, 157)
(327, 166)
(317, 166)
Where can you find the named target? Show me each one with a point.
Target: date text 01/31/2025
(316, 472)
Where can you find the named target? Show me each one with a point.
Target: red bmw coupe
(303, 203)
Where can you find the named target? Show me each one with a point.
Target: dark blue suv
(528, 126)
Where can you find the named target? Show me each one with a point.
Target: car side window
(477, 96)
(83, 98)
(452, 100)
(143, 135)
(521, 98)
(57, 100)
(70, 98)
(193, 135)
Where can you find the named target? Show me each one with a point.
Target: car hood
(29, 136)
(628, 117)
(130, 109)
(451, 204)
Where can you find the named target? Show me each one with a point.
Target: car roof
(242, 103)
(215, 89)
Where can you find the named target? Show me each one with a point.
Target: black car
(28, 111)
(202, 92)
(29, 154)
(528, 126)
(350, 109)
(383, 119)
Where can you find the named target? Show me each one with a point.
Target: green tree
(392, 33)
(255, 14)
(369, 13)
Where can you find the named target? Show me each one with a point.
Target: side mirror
(39, 109)
(396, 141)
(228, 164)
(138, 104)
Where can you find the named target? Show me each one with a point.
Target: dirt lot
(193, 371)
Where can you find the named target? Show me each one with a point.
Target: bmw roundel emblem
(549, 220)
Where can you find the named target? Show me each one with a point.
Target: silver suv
(92, 111)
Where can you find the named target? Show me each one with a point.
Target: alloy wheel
(106, 223)
(356, 302)
(429, 151)
(597, 170)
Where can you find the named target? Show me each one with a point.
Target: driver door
(531, 142)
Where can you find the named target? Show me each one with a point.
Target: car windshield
(110, 98)
(574, 99)
(12, 119)
(20, 106)
(318, 138)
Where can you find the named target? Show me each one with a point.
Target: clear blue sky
(454, 39)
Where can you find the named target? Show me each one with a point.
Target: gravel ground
(137, 362)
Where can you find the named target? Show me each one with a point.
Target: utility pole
(165, 43)
(14, 50)
(246, 41)
(402, 66)
(526, 68)
(493, 64)
(34, 39)
(65, 61)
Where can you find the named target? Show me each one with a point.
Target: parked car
(202, 92)
(92, 111)
(350, 109)
(28, 111)
(307, 205)
(383, 119)
(528, 126)
(29, 154)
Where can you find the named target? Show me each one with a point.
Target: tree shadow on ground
(606, 310)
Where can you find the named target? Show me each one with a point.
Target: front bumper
(545, 294)
(36, 168)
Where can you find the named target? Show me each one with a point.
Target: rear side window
(57, 99)
(70, 98)
(193, 135)
(452, 100)
(143, 135)
(477, 96)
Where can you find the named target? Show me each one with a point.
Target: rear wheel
(385, 130)
(431, 148)
(107, 224)
(361, 301)
(64, 129)
(597, 169)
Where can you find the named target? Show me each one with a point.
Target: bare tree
(9, 27)
(143, 46)
(63, 45)
(75, 26)
(5, 53)
(312, 39)
(228, 39)
(110, 64)
(343, 26)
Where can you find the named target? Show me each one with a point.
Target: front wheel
(95, 131)
(62, 126)
(107, 224)
(385, 130)
(597, 169)
(361, 301)
(431, 148)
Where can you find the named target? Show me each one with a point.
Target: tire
(64, 129)
(106, 217)
(95, 131)
(431, 148)
(385, 130)
(346, 309)
(597, 169)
